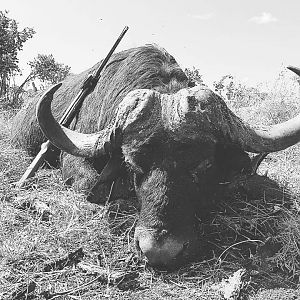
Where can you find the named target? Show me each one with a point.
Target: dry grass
(55, 245)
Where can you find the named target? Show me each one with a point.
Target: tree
(194, 76)
(225, 85)
(237, 93)
(11, 42)
(45, 68)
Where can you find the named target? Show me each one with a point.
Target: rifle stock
(35, 164)
(73, 109)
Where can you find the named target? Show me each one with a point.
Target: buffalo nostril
(162, 252)
(185, 245)
(137, 246)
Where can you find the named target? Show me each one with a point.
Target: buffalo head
(178, 149)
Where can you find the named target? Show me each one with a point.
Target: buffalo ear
(256, 161)
(112, 169)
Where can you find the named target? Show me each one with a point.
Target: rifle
(67, 118)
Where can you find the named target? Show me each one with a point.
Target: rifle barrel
(88, 85)
(72, 110)
(104, 62)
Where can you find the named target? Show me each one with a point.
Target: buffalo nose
(159, 252)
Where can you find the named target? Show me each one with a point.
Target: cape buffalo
(170, 144)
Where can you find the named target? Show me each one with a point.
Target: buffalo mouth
(164, 250)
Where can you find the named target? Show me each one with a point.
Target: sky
(252, 40)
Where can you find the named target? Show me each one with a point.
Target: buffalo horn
(75, 143)
(263, 139)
